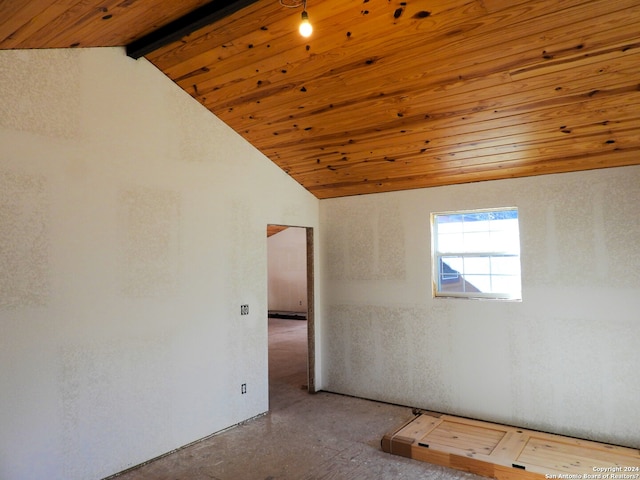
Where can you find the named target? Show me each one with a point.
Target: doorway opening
(291, 309)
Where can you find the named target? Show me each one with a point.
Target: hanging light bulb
(305, 27)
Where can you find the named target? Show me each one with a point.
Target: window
(476, 254)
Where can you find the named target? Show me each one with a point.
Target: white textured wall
(287, 252)
(132, 229)
(566, 359)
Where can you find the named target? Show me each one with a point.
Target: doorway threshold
(288, 315)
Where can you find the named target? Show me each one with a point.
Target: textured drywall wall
(133, 226)
(24, 246)
(566, 359)
(149, 229)
(287, 263)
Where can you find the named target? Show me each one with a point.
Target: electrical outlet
(243, 388)
(244, 309)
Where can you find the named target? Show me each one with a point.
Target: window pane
(477, 265)
(506, 284)
(449, 277)
(449, 243)
(505, 265)
(450, 269)
(481, 253)
(505, 236)
(449, 223)
(473, 225)
(478, 283)
(449, 226)
(477, 242)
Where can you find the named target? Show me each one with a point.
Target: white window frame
(437, 255)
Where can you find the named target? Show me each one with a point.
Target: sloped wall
(133, 228)
(563, 360)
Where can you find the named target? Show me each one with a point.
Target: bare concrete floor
(303, 437)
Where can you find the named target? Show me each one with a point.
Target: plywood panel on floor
(508, 453)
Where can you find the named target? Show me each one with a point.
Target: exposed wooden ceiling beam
(183, 26)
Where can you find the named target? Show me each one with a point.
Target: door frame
(311, 331)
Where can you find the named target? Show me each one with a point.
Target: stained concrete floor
(323, 436)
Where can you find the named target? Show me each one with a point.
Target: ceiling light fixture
(305, 27)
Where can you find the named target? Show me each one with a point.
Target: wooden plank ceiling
(387, 94)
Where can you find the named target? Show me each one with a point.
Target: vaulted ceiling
(388, 94)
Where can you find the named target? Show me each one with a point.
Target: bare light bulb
(305, 27)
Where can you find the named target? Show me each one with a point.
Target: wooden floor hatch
(507, 453)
